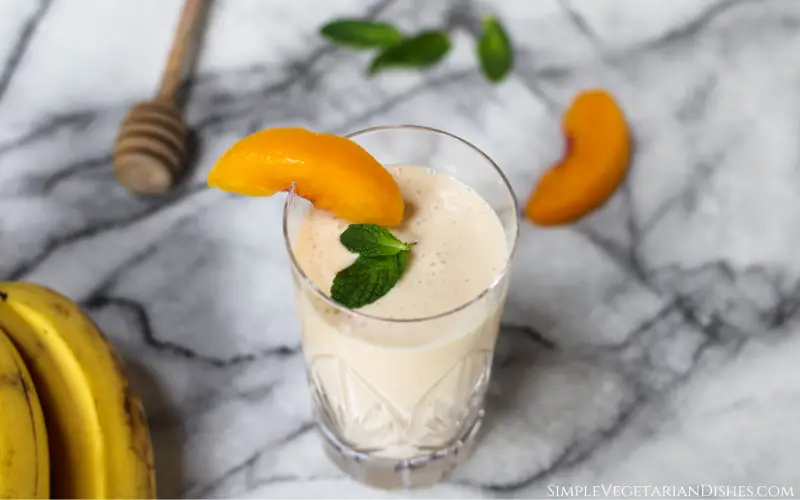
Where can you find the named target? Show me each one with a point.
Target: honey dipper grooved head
(151, 148)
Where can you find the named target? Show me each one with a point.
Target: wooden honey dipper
(150, 151)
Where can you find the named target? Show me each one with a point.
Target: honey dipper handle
(181, 47)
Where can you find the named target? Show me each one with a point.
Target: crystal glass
(404, 413)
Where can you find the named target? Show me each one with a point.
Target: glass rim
(495, 282)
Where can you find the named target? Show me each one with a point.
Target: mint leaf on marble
(494, 50)
(361, 34)
(371, 240)
(419, 51)
(368, 279)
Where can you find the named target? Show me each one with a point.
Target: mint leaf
(361, 34)
(368, 279)
(380, 263)
(371, 240)
(418, 51)
(494, 50)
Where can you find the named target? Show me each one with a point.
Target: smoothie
(405, 375)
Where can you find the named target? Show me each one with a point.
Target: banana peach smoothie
(384, 381)
(400, 274)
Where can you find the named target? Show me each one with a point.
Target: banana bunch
(70, 425)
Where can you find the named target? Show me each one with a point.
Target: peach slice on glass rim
(332, 172)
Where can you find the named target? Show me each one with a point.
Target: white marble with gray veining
(654, 343)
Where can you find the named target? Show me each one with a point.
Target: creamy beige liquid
(403, 388)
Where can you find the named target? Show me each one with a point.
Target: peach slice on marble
(594, 165)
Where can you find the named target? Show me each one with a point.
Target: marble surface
(653, 343)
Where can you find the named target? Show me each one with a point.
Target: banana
(99, 441)
(24, 464)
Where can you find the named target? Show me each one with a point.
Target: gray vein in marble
(581, 23)
(694, 27)
(18, 50)
(139, 311)
(207, 490)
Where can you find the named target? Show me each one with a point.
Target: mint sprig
(427, 47)
(380, 264)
